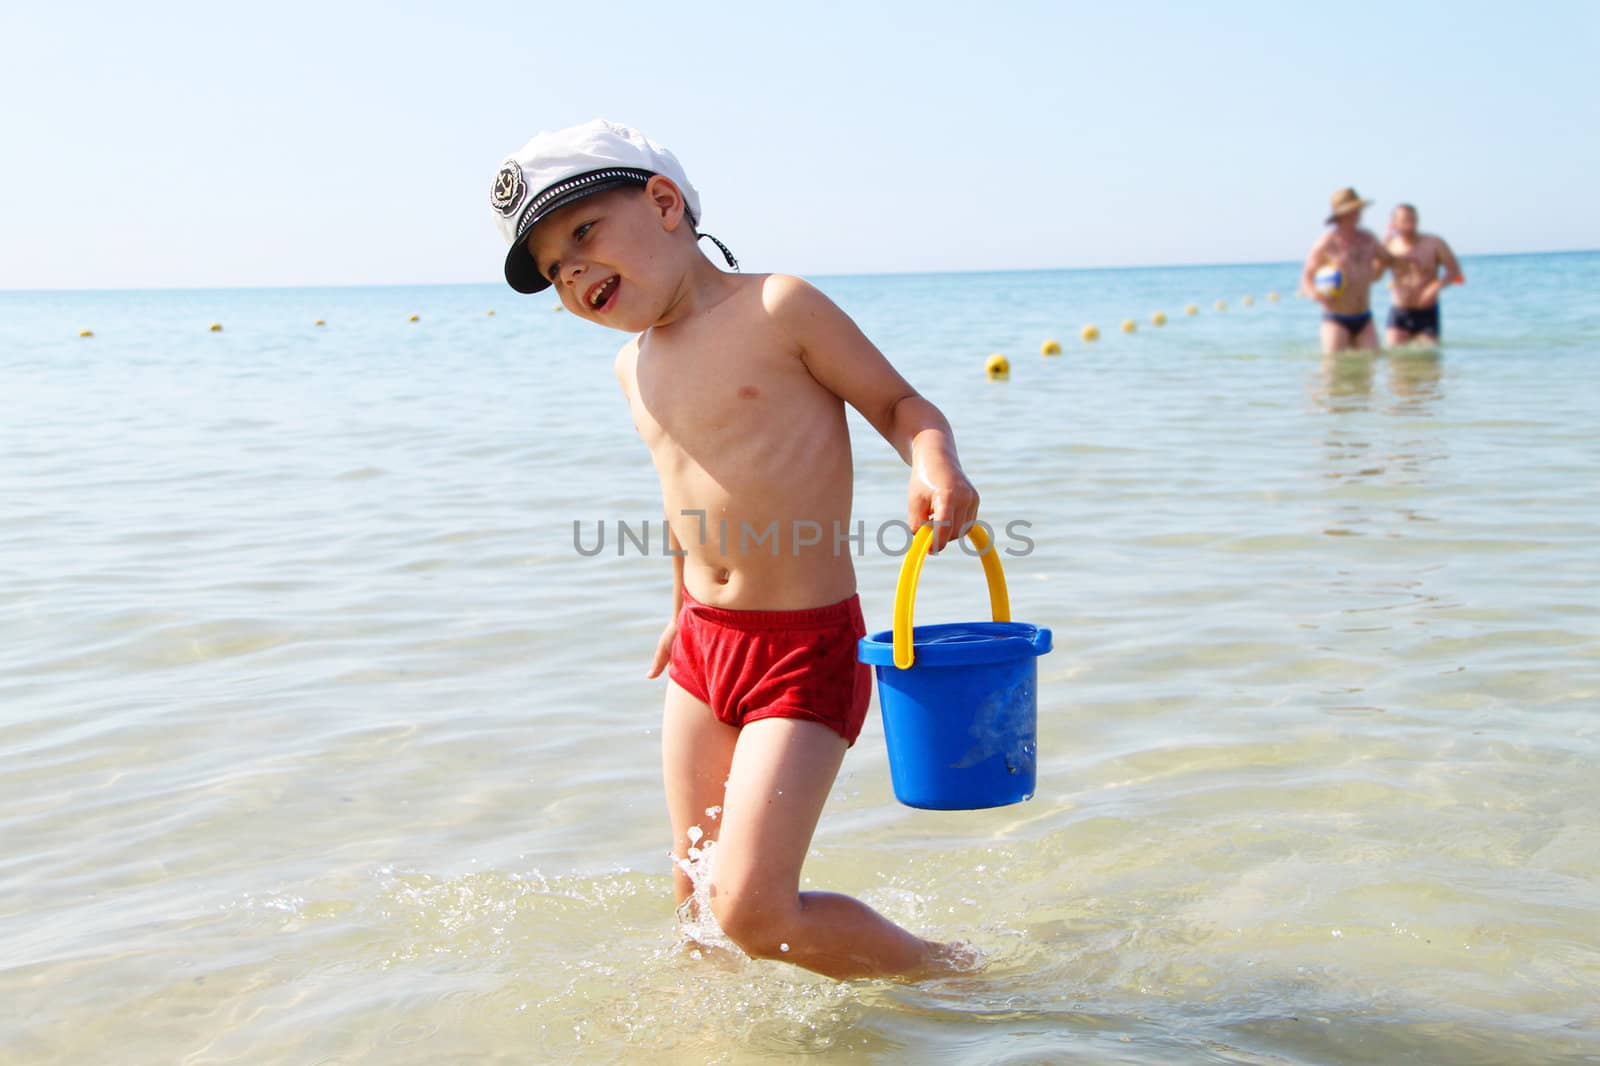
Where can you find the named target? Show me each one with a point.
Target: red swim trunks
(749, 665)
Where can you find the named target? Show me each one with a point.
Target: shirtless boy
(1347, 315)
(737, 383)
(1417, 282)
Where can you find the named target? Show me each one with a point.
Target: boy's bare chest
(721, 397)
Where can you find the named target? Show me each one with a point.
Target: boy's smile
(601, 295)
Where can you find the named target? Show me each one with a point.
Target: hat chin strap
(732, 262)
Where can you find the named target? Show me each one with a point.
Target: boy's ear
(667, 201)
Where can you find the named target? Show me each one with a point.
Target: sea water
(321, 743)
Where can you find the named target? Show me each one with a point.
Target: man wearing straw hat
(1339, 273)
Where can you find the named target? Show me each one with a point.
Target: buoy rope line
(998, 368)
(1090, 333)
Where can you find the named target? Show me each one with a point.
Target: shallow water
(320, 743)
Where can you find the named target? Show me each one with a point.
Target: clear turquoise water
(319, 743)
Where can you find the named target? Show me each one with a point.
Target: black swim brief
(1416, 320)
(1354, 324)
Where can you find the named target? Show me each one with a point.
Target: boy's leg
(696, 750)
(782, 771)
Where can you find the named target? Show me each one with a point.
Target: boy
(738, 384)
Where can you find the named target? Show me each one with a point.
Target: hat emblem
(508, 190)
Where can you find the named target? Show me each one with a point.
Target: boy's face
(608, 256)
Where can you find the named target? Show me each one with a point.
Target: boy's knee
(757, 925)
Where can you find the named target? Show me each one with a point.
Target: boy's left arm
(841, 358)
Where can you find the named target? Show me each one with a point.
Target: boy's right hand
(663, 650)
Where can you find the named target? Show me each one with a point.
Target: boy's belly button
(720, 575)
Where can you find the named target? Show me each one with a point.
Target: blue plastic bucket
(959, 701)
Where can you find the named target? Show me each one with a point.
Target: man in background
(1339, 274)
(1423, 265)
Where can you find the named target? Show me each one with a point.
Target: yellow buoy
(319, 322)
(1090, 334)
(1159, 318)
(997, 367)
(1249, 301)
(415, 318)
(1051, 347)
(86, 333)
(216, 327)
(1191, 310)
(1129, 325)
(1273, 296)
(491, 312)
(1221, 305)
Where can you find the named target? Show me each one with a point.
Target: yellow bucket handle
(905, 590)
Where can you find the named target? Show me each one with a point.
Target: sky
(209, 144)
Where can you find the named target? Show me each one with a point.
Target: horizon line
(854, 274)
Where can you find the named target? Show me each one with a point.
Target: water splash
(697, 925)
